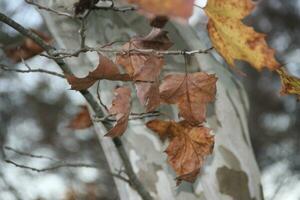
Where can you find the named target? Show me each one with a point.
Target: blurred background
(35, 110)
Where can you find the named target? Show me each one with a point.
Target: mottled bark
(230, 173)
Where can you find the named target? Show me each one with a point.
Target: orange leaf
(145, 68)
(188, 146)
(234, 40)
(121, 107)
(171, 8)
(105, 70)
(27, 49)
(191, 92)
(82, 120)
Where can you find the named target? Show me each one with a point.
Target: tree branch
(136, 184)
(63, 53)
(6, 68)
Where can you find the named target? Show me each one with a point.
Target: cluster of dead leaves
(190, 142)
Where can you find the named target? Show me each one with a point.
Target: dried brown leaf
(188, 146)
(106, 69)
(27, 48)
(145, 68)
(82, 120)
(120, 108)
(191, 92)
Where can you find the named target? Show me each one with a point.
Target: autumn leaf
(27, 48)
(171, 8)
(120, 108)
(290, 84)
(187, 148)
(145, 68)
(191, 92)
(82, 120)
(105, 70)
(233, 39)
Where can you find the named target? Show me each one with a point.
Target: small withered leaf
(27, 48)
(159, 21)
(106, 69)
(145, 68)
(120, 108)
(82, 5)
(82, 120)
(188, 146)
(290, 84)
(191, 92)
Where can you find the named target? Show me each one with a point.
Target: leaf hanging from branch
(290, 84)
(105, 70)
(187, 148)
(27, 49)
(191, 92)
(233, 39)
(82, 120)
(171, 8)
(145, 68)
(120, 108)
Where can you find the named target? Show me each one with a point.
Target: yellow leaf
(233, 39)
(290, 84)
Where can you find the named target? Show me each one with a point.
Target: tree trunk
(230, 173)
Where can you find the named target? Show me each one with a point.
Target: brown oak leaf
(171, 8)
(82, 120)
(188, 146)
(106, 69)
(120, 108)
(191, 92)
(145, 68)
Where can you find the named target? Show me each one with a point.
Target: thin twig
(99, 97)
(135, 116)
(29, 154)
(6, 68)
(51, 168)
(62, 53)
(31, 2)
(83, 29)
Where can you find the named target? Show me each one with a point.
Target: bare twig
(6, 68)
(51, 168)
(75, 53)
(134, 116)
(99, 97)
(31, 2)
(29, 154)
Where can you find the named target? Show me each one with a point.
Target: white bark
(230, 173)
